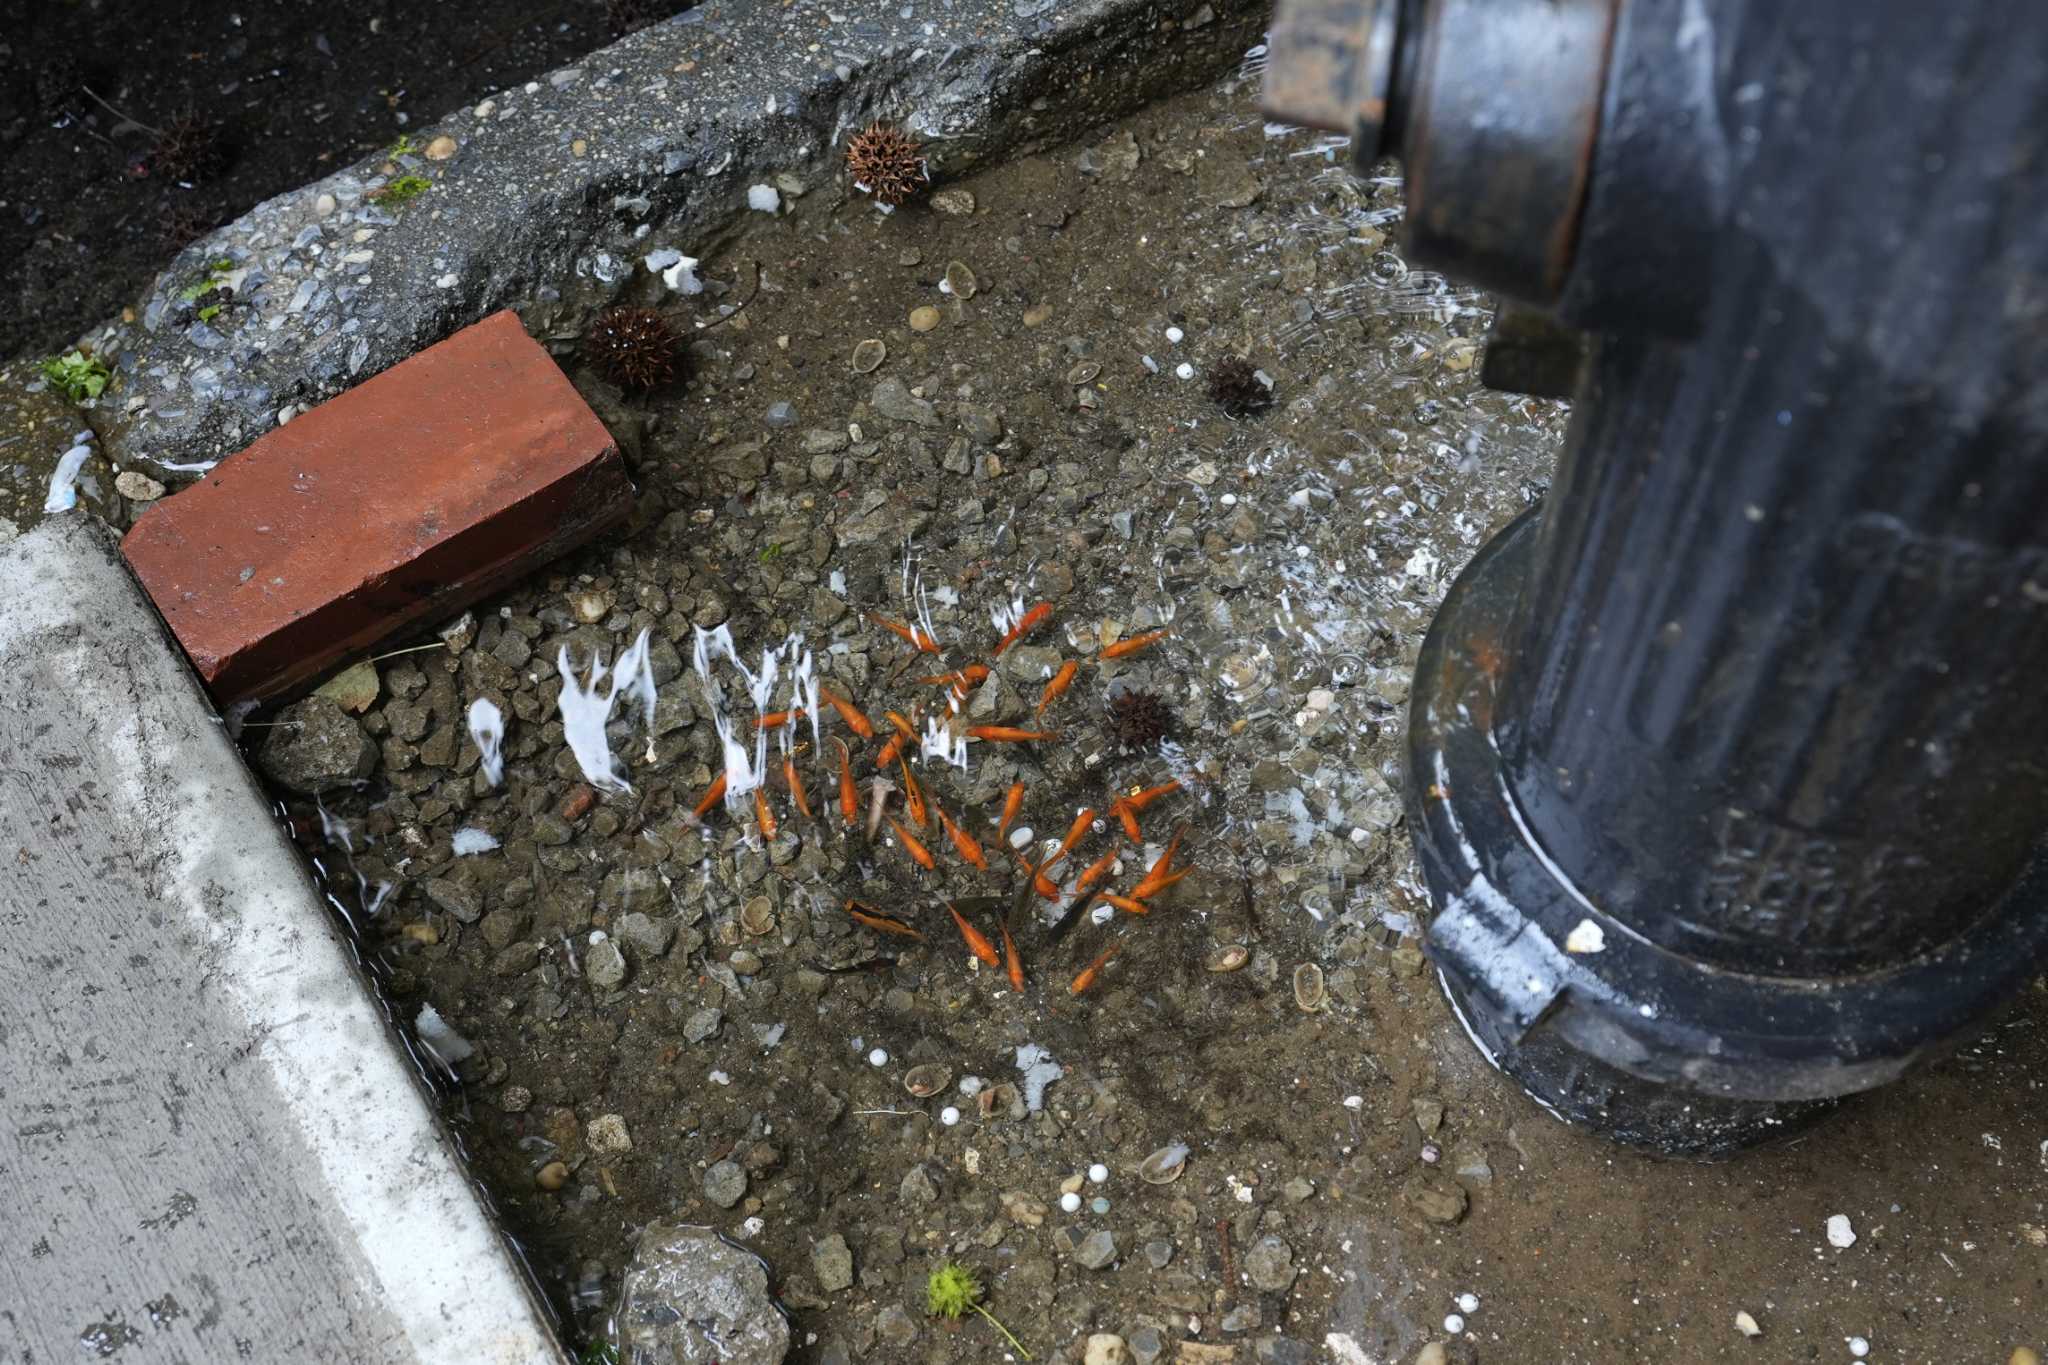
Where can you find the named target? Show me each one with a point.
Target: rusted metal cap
(1493, 107)
(1331, 66)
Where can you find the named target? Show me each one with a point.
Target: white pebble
(1175, 335)
(1071, 1202)
(1840, 1234)
(971, 1085)
(879, 1057)
(1454, 1324)
(1020, 836)
(949, 1116)
(1098, 1173)
(1858, 1347)
(720, 1078)
(1184, 370)
(1468, 1303)
(1354, 1101)
(763, 198)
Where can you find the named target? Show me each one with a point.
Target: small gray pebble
(1096, 1251)
(1270, 1265)
(725, 1184)
(605, 965)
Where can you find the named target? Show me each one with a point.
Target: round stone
(725, 1184)
(552, 1176)
(1270, 1265)
(441, 148)
(924, 318)
(137, 486)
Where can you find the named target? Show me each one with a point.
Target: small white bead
(878, 1058)
(1071, 1203)
(949, 1116)
(1858, 1347)
(1468, 1303)
(1454, 1324)
(1098, 1173)
(1184, 370)
(1174, 335)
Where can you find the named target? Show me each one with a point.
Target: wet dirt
(680, 1020)
(287, 92)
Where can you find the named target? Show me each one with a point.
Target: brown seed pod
(1235, 386)
(188, 150)
(887, 164)
(1139, 718)
(634, 347)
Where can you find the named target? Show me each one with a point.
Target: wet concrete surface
(678, 1019)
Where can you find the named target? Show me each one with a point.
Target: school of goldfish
(918, 838)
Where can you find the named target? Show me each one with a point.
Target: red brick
(408, 497)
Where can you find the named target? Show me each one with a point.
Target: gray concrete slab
(212, 1147)
(549, 197)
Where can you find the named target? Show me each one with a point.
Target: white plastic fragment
(487, 729)
(64, 478)
(763, 198)
(585, 709)
(1040, 1070)
(447, 1046)
(469, 840)
(1587, 937)
(1840, 1233)
(1175, 335)
(1184, 370)
(682, 276)
(1746, 1324)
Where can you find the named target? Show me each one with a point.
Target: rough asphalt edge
(559, 189)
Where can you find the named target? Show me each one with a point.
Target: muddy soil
(680, 1019)
(284, 92)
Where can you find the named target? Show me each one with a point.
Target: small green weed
(216, 275)
(398, 191)
(81, 376)
(952, 1291)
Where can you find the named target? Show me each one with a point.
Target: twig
(1229, 1270)
(707, 326)
(125, 118)
(409, 649)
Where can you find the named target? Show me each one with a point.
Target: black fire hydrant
(1729, 762)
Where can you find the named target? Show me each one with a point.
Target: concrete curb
(549, 197)
(212, 1139)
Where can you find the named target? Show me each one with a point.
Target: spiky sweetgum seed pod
(189, 149)
(1140, 718)
(1234, 386)
(634, 347)
(887, 163)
